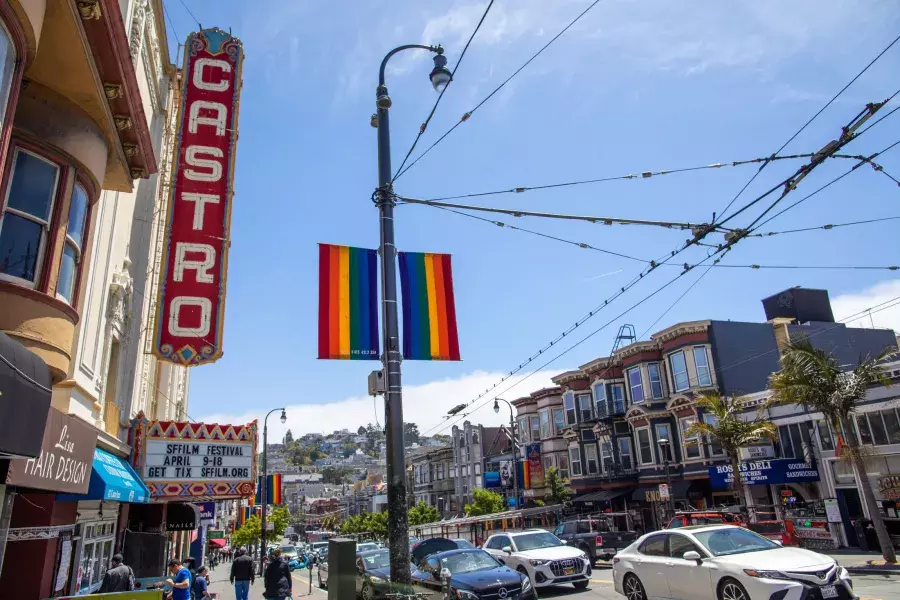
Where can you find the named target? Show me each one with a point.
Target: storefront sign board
(833, 511)
(765, 472)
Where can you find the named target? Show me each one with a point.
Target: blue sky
(634, 86)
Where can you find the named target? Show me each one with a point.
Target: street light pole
(515, 449)
(398, 524)
(664, 444)
(263, 491)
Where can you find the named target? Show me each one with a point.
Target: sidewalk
(220, 584)
(864, 562)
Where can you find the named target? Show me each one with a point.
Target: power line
(171, 24)
(467, 115)
(526, 213)
(424, 125)
(677, 300)
(196, 20)
(815, 267)
(826, 227)
(805, 125)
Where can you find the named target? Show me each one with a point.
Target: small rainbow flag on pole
(348, 303)
(429, 311)
(273, 490)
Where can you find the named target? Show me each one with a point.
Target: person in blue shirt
(200, 587)
(180, 580)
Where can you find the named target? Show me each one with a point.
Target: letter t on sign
(199, 201)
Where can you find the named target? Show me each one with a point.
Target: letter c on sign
(201, 83)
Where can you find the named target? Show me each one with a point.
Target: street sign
(216, 534)
(663, 491)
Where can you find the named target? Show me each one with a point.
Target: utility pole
(515, 449)
(398, 518)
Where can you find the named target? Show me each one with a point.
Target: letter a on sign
(190, 308)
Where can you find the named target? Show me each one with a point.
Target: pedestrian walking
(118, 578)
(200, 587)
(189, 563)
(242, 574)
(180, 581)
(277, 578)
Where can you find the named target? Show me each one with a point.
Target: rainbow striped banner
(273, 490)
(429, 311)
(348, 303)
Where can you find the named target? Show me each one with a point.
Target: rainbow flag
(273, 490)
(429, 311)
(348, 303)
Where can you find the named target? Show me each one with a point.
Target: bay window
(563, 462)
(523, 429)
(606, 455)
(690, 443)
(571, 418)
(535, 428)
(618, 396)
(7, 69)
(645, 446)
(600, 399)
(545, 424)
(625, 453)
(701, 360)
(575, 459)
(585, 411)
(590, 459)
(69, 269)
(664, 433)
(636, 385)
(26, 216)
(558, 421)
(679, 371)
(656, 389)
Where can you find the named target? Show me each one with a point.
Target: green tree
(813, 379)
(729, 431)
(335, 475)
(558, 488)
(361, 430)
(423, 513)
(280, 517)
(410, 434)
(484, 502)
(248, 534)
(288, 437)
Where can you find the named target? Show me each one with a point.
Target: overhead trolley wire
(467, 115)
(424, 125)
(826, 227)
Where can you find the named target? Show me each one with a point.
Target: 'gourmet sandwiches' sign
(191, 304)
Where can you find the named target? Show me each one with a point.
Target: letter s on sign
(201, 83)
(192, 158)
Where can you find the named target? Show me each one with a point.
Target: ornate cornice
(568, 376)
(680, 329)
(637, 348)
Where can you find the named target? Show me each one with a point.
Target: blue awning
(112, 479)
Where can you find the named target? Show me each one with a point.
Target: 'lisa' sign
(191, 303)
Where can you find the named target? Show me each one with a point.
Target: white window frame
(92, 542)
(600, 398)
(658, 379)
(524, 429)
(590, 453)
(556, 429)
(707, 367)
(568, 398)
(621, 391)
(632, 386)
(640, 455)
(668, 427)
(676, 373)
(545, 423)
(606, 453)
(688, 443)
(45, 225)
(630, 452)
(580, 407)
(572, 462)
(535, 427)
(559, 458)
(78, 248)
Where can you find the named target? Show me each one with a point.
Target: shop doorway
(851, 509)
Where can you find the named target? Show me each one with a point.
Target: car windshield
(733, 540)
(464, 545)
(535, 541)
(377, 560)
(366, 547)
(471, 560)
(289, 550)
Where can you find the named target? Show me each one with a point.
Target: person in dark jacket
(278, 578)
(189, 563)
(119, 577)
(242, 574)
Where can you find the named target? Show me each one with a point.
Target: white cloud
(885, 314)
(422, 404)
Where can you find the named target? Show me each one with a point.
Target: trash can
(860, 531)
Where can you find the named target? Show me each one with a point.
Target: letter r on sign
(201, 266)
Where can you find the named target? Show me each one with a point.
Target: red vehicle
(779, 531)
(704, 517)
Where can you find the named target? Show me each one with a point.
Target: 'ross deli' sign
(191, 304)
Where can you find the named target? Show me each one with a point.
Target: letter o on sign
(179, 302)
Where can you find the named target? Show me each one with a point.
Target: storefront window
(879, 427)
(71, 260)
(26, 216)
(97, 544)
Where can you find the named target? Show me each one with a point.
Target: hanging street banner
(535, 465)
(491, 479)
(191, 301)
(765, 472)
(274, 483)
(348, 303)
(429, 309)
(192, 462)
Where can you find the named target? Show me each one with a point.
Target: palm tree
(730, 431)
(814, 379)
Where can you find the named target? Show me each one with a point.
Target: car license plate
(571, 570)
(829, 591)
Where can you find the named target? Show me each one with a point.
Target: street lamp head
(496, 406)
(283, 417)
(440, 75)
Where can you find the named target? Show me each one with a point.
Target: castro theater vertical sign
(191, 303)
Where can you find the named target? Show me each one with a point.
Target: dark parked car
(373, 576)
(470, 575)
(595, 537)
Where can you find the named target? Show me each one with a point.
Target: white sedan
(542, 556)
(724, 562)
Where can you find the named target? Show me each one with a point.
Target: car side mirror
(445, 574)
(507, 549)
(693, 555)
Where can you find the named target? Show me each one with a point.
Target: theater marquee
(195, 461)
(191, 303)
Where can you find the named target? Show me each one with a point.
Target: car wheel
(730, 589)
(367, 592)
(581, 585)
(634, 589)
